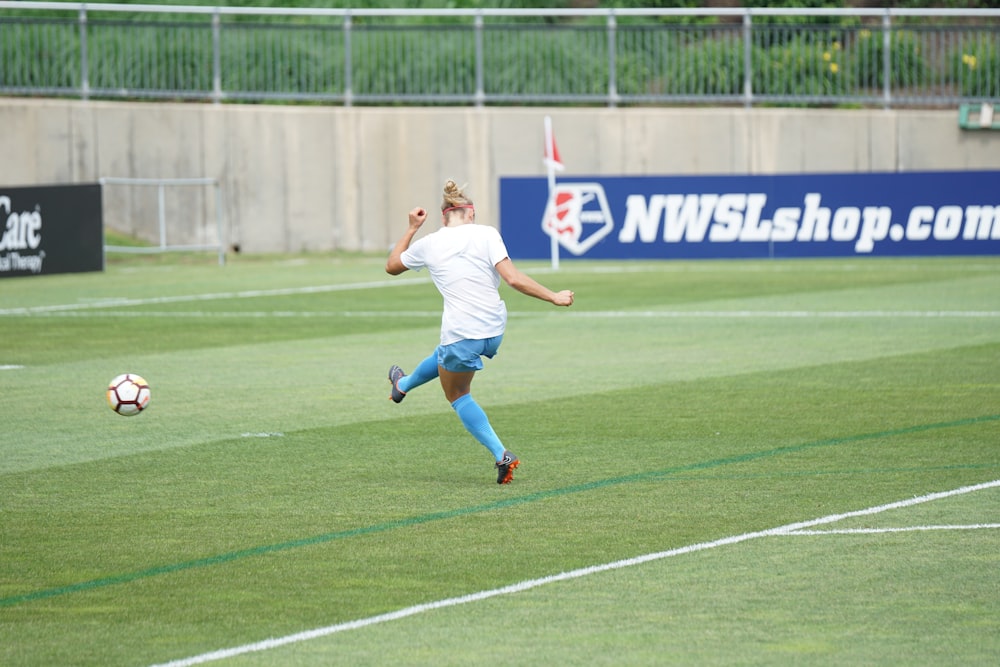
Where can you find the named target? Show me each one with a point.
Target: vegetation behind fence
(622, 56)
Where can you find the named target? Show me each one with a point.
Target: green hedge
(977, 68)
(295, 58)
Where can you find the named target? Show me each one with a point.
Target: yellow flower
(969, 60)
(834, 67)
(826, 56)
(836, 46)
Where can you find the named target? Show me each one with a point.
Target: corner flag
(553, 163)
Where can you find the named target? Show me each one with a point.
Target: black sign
(51, 229)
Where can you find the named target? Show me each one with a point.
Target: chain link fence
(864, 57)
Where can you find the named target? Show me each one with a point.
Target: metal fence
(867, 57)
(217, 242)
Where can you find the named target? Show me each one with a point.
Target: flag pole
(550, 163)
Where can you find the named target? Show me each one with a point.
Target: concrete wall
(321, 178)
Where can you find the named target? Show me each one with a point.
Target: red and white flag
(553, 163)
(552, 160)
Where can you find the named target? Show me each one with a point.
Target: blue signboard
(806, 215)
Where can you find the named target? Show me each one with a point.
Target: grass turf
(271, 488)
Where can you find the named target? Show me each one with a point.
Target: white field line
(277, 314)
(789, 529)
(103, 306)
(211, 296)
(791, 313)
(598, 314)
(880, 531)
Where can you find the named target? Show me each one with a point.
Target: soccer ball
(128, 394)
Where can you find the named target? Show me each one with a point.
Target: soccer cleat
(505, 467)
(395, 373)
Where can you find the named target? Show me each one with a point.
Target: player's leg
(425, 371)
(457, 388)
(478, 424)
(457, 368)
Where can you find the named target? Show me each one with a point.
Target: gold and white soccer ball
(128, 394)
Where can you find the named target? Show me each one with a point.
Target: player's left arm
(525, 284)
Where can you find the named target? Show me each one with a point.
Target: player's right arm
(394, 265)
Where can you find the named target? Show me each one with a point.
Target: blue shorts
(466, 355)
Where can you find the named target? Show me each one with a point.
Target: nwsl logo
(577, 216)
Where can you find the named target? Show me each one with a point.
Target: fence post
(84, 76)
(747, 59)
(218, 223)
(216, 57)
(886, 60)
(612, 61)
(348, 66)
(480, 87)
(161, 209)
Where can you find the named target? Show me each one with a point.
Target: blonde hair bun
(454, 196)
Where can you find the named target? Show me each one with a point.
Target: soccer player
(466, 262)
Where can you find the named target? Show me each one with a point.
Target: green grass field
(753, 463)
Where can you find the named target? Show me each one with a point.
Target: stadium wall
(308, 178)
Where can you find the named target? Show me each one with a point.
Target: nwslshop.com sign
(50, 229)
(816, 215)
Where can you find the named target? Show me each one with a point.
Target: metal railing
(746, 56)
(218, 245)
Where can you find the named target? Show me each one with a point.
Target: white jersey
(462, 263)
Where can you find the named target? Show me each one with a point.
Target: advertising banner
(51, 229)
(805, 215)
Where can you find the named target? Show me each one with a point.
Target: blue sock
(478, 424)
(425, 371)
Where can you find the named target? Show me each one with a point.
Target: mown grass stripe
(798, 528)
(843, 472)
(476, 509)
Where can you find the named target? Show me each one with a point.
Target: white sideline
(92, 307)
(211, 296)
(880, 531)
(789, 529)
(68, 311)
